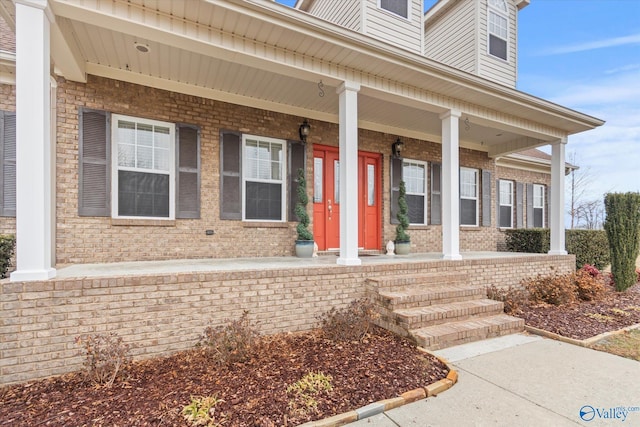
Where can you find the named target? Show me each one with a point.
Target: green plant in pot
(403, 241)
(304, 243)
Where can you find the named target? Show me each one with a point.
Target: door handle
(329, 207)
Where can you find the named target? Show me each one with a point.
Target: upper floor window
(468, 196)
(498, 28)
(144, 170)
(414, 174)
(398, 7)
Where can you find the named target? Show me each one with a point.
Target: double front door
(326, 199)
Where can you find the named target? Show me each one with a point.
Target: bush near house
(7, 247)
(622, 225)
(589, 246)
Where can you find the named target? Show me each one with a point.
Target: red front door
(326, 199)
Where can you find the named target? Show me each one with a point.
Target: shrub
(107, 357)
(589, 283)
(351, 323)
(589, 246)
(622, 225)
(512, 298)
(530, 240)
(7, 247)
(233, 342)
(202, 412)
(551, 289)
(305, 390)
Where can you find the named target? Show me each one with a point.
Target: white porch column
(450, 185)
(556, 202)
(34, 151)
(348, 94)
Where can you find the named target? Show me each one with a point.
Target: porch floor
(266, 263)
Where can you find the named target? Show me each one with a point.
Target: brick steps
(461, 332)
(419, 317)
(439, 310)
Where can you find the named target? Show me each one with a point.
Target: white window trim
(115, 168)
(510, 204)
(533, 202)
(426, 187)
(501, 13)
(476, 198)
(395, 15)
(282, 180)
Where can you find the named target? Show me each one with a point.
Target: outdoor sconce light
(396, 148)
(305, 127)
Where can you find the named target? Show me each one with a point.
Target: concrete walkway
(523, 380)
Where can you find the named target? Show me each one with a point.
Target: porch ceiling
(262, 54)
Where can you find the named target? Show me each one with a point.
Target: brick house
(143, 130)
(172, 131)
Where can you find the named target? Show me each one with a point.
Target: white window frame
(508, 203)
(115, 118)
(282, 180)
(494, 10)
(476, 174)
(539, 198)
(408, 17)
(425, 194)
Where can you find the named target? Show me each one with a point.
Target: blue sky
(585, 55)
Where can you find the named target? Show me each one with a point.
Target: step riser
(384, 284)
(439, 317)
(430, 298)
(469, 335)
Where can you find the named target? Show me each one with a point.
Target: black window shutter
(529, 205)
(436, 193)
(519, 205)
(188, 168)
(396, 177)
(545, 191)
(95, 165)
(498, 191)
(230, 175)
(486, 198)
(297, 160)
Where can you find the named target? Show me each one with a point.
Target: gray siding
(452, 38)
(346, 13)
(386, 26)
(490, 67)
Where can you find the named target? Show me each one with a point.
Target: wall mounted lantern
(304, 129)
(396, 148)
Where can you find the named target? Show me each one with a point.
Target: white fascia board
(66, 54)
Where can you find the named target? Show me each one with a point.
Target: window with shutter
(414, 173)
(94, 163)
(263, 178)
(143, 171)
(538, 206)
(506, 204)
(188, 176)
(8, 163)
(468, 197)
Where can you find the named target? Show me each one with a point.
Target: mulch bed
(254, 393)
(614, 311)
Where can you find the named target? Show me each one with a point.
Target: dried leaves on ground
(253, 393)
(611, 311)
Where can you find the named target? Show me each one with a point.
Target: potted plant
(304, 243)
(402, 242)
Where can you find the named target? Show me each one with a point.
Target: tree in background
(622, 225)
(585, 210)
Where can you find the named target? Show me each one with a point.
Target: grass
(625, 344)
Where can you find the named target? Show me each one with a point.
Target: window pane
(162, 137)
(371, 185)
(497, 47)
(143, 194)
(468, 212)
(126, 155)
(399, 7)
(145, 135)
(506, 193)
(414, 177)
(537, 218)
(416, 209)
(145, 158)
(317, 179)
(161, 160)
(468, 183)
(505, 216)
(263, 201)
